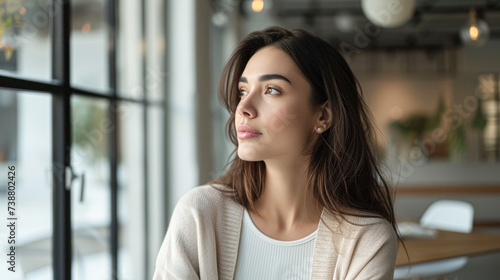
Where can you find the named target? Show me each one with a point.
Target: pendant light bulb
(257, 6)
(476, 32)
(473, 32)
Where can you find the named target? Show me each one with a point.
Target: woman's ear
(325, 116)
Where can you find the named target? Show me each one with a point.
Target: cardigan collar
(228, 238)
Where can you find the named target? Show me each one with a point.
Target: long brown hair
(344, 173)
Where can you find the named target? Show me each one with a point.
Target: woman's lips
(247, 135)
(247, 132)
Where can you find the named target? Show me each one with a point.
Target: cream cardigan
(203, 236)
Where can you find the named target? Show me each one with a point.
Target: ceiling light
(344, 22)
(476, 32)
(219, 18)
(257, 5)
(389, 13)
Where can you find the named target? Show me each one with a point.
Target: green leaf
(478, 121)
(435, 120)
(456, 141)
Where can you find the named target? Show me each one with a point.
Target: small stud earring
(320, 129)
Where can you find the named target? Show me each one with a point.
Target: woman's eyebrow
(267, 77)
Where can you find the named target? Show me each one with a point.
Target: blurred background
(109, 113)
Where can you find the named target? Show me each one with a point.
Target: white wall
(387, 83)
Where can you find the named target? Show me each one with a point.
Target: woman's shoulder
(361, 223)
(207, 196)
(208, 205)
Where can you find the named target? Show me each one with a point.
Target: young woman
(304, 198)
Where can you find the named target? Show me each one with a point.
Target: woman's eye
(271, 90)
(242, 91)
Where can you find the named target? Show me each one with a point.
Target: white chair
(447, 215)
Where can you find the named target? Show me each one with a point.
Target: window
(82, 110)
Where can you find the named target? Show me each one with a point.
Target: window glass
(90, 207)
(26, 145)
(130, 51)
(25, 42)
(89, 45)
(131, 191)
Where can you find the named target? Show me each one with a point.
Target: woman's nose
(247, 105)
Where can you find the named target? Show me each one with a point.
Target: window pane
(131, 191)
(26, 143)
(155, 72)
(90, 210)
(89, 45)
(156, 183)
(25, 44)
(129, 50)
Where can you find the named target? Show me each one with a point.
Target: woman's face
(274, 99)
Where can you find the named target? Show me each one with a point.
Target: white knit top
(203, 238)
(265, 258)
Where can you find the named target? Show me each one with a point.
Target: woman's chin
(248, 154)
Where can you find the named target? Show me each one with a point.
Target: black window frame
(61, 90)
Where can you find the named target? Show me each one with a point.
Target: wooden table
(447, 245)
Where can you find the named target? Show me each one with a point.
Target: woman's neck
(284, 200)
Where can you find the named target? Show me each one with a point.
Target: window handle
(82, 179)
(70, 176)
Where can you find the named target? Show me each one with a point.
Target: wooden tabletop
(447, 245)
